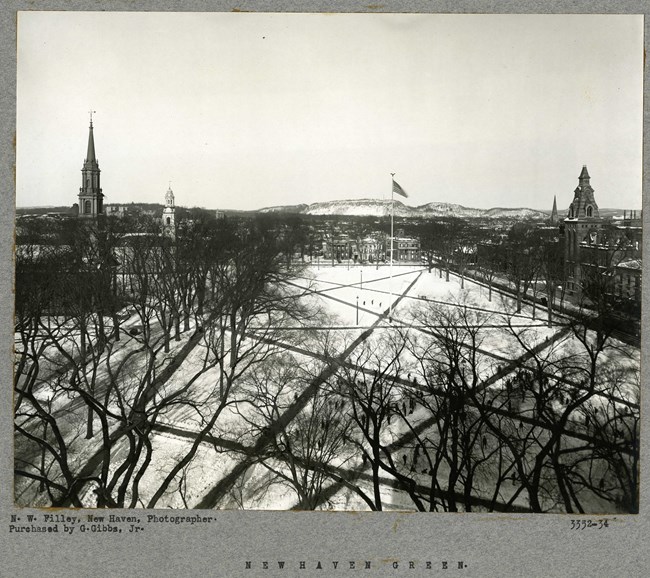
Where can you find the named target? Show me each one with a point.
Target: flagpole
(390, 280)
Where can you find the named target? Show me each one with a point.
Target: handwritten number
(584, 524)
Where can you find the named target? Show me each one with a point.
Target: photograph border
(246, 543)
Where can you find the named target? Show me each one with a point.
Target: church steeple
(90, 155)
(168, 215)
(91, 198)
(554, 211)
(583, 205)
(580, 226)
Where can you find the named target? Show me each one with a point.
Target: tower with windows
(584, 205)
(91, 198)
(581, 224)
(168, 215)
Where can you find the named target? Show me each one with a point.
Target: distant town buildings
(116, 210)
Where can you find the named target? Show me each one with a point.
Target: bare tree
(306, 452)
(450, 368)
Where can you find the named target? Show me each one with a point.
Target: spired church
(91, 197)
(596, 245)
(581, 223)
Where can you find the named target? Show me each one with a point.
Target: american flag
(399, 190)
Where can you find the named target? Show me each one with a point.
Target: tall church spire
(554, 211)
(91, 198)
(90, 155)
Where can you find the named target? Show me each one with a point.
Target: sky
(244, 111)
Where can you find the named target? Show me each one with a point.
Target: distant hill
(605, 212)
(284, 209)
(42, 210)
(364, 208)
(382, 208)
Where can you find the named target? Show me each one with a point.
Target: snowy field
(358, 311)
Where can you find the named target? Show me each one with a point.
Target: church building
(581, 224)
(91, 198)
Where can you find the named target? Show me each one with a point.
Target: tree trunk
(233, 338)
(453, 466)
(89, 424)
(116, 327)
(534, 306)
(82, 343)
(375, 478)
(222, 336)
(101, 337)
(469, 484)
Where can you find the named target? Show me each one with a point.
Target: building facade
(405, 248)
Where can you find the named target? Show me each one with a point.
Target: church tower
(581, 224)
(583, 205)
(168, 216)
(91, 198)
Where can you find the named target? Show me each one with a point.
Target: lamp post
(361, 272)
(357, 310)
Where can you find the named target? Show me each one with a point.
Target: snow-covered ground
(354, 307)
